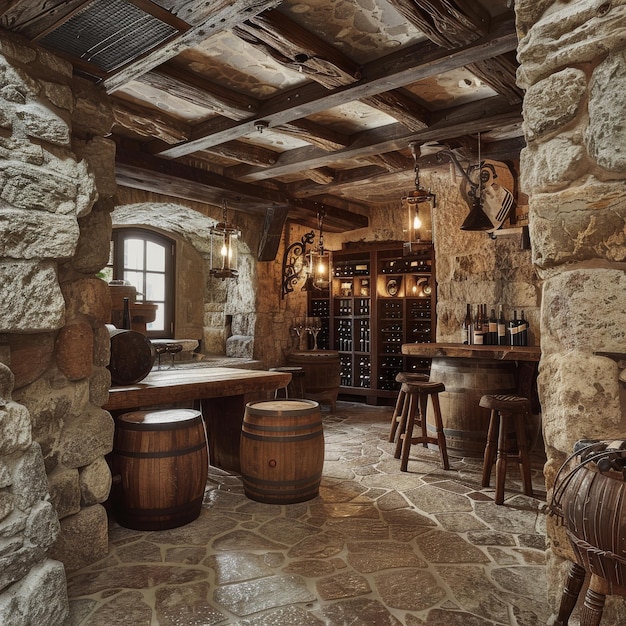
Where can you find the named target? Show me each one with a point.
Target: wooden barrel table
(161, 459)
(282, 450)
(322, 374)
(466, 381)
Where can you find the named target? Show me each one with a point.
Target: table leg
(223, 418)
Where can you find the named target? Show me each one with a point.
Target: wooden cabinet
(378, 300)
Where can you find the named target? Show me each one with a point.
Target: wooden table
(469, 372)
(222, 392)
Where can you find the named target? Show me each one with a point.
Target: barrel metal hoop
(192, 504)
(282, 483)
(281, 427)
(294, 438)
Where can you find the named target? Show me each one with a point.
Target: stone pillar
(573, 69)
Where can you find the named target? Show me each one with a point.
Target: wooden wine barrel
(466, 381)
(593, 505)
(162, 460)
(322, 374)
(132, 356)
(282, 450)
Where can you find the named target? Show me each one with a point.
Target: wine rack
(377, 301)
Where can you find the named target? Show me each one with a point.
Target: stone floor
(376, 547)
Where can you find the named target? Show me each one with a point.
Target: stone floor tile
(373, 556)
(459, 522)
(186, 604)
(445, 547)
(343, 585)
(490, 538)
(434, 500)
(282, 617)
(361, 611)
(439, 617)
(141, 552)
(231, 567)
(409, 589)
(185, 555)
(310, 568)
(320, 546)
(245, 540)
(125, 608)
(259, 595)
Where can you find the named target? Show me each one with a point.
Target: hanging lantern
(223, 248)
(319, 260)
(412, 202)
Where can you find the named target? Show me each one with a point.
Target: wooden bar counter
(469, 372)
(222, 391)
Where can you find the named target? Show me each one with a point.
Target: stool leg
(396, 414)
(571, 591)
(524, 460)
(501, 460)
(408, 433)
(441, 437)
(490, 449)
(423, 405)
(402, 420)
(591, 613)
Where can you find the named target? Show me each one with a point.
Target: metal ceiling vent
(107, 34)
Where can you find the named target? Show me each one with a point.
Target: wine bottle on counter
(466, 328)
(514, 330)
(478, 332)
(501, 328)
(493, 328)
(523, 331)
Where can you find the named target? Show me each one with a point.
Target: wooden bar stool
(417, 394)
(402, 403)
(506, 411)
(295, 387)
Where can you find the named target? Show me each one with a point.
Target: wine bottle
(478, 334)
(466, 328)
(126, 315)
(493, 328)
(513, 330)
(501, 328)
(523, 331)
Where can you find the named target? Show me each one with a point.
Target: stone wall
(573, 68)
(56, 189)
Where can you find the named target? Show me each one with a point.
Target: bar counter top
(464, 351)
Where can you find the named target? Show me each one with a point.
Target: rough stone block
(83, 538)
(595, 212)
(95, 482)
(100, 155)
(86, 437)
(31, 355)
(88, 297)
(99, 385)
(15, 432)
(583, 310)
(92, 251)
(41, 123)
(39, 598)
(74, 351)
(239, 346)
(42, 526)
(29, 484)
(101, 346)
(16, 565)
(32, 299)
(64, 489)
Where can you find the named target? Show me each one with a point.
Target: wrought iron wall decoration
(295, 262)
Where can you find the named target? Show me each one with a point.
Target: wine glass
(314, 325)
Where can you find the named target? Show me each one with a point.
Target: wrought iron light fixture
(294, 263)
(412, 201)
(319, 259)
(223, 249)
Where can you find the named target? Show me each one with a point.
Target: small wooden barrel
(162, 460)
(322, 374)
(467, 380)
(593, 505)
(282, 451)
(132, 356)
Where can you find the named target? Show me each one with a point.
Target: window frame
(118, 237)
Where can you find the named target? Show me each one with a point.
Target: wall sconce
(223, 259)
(412, 201)
(294, 263)
(319, 260)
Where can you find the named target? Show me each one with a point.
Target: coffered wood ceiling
(306, 104)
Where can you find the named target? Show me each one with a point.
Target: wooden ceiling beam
(150, 123)
(473, 117)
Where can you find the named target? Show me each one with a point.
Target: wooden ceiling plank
(312, 99)
(321, 176)
(31, 19)
(292, 45)
(222, 18)
(319, 136)
(149, 123)
(190, 87)
(242, 152)
(500, 74)
(402, 107)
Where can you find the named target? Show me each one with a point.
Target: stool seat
(414, 397)
(295, 387)
(505, 402)
(507, 411)
(398, 416)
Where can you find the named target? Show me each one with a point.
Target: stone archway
(228, 317)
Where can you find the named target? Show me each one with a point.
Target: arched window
(146, 260)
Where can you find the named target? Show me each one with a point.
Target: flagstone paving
(377, 547)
